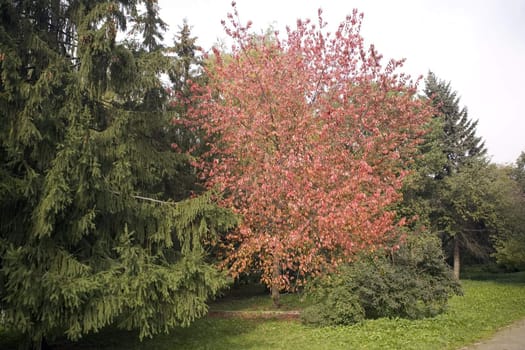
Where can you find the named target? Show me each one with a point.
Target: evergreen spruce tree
(93, 230)
(458, 141)
(420, 186)
(186, 69)
(461, 151)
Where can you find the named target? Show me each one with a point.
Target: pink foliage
(314, 138)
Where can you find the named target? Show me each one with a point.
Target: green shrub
(510, 251)
(339, 306)
(414, 282)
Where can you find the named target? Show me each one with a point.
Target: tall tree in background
(461, 151)
(187, 67)
(89, 234)
(420, 187)
(314, 139)
(458, 141)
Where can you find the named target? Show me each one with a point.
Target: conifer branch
(153, 200)
(148, 199)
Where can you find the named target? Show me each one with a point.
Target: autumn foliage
(312, 140)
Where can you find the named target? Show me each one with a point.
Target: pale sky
(479, 46)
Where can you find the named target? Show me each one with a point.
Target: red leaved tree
(313, 138)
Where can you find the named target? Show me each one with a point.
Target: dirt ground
(508, 338)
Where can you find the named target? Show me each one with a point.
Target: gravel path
(508, 338)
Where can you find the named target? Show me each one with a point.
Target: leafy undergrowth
(486, 306)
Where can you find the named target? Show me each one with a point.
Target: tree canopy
(314, 135)
(510, 237)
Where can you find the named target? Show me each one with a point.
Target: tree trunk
(276, 295)
(456, 257)
(35, 344)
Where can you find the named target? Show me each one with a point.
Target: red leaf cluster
(313, 138)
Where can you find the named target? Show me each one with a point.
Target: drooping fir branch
(76, 257)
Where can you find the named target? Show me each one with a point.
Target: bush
(510, 251)
(414, 282)
(339, 306)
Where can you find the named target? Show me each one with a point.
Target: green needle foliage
(94, 226)
(459, 142)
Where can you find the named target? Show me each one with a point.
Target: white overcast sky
(479, 46)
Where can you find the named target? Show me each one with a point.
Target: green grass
(486, 306)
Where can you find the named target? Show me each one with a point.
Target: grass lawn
(487, 305)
